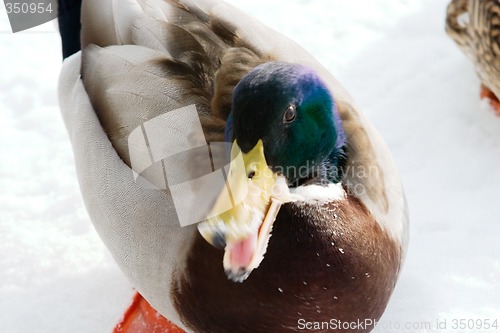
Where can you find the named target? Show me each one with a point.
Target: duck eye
(290, 114)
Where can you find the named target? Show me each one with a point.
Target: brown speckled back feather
(475, 26)
(199, 60)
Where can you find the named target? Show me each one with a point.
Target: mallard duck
(326, 250)
(474, 26)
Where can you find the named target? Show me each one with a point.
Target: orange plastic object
(140, 317)
(491, 97)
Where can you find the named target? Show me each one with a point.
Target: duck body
(473, 25)
(335, 253)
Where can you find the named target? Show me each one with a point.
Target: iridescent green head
(292, 110)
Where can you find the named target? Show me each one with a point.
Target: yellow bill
(255, 194)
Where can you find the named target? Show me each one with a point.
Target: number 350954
(28, 8)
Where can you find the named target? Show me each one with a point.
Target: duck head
(286, 133)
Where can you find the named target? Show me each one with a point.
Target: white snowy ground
(408, 77)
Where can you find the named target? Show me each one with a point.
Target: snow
(404, 72)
